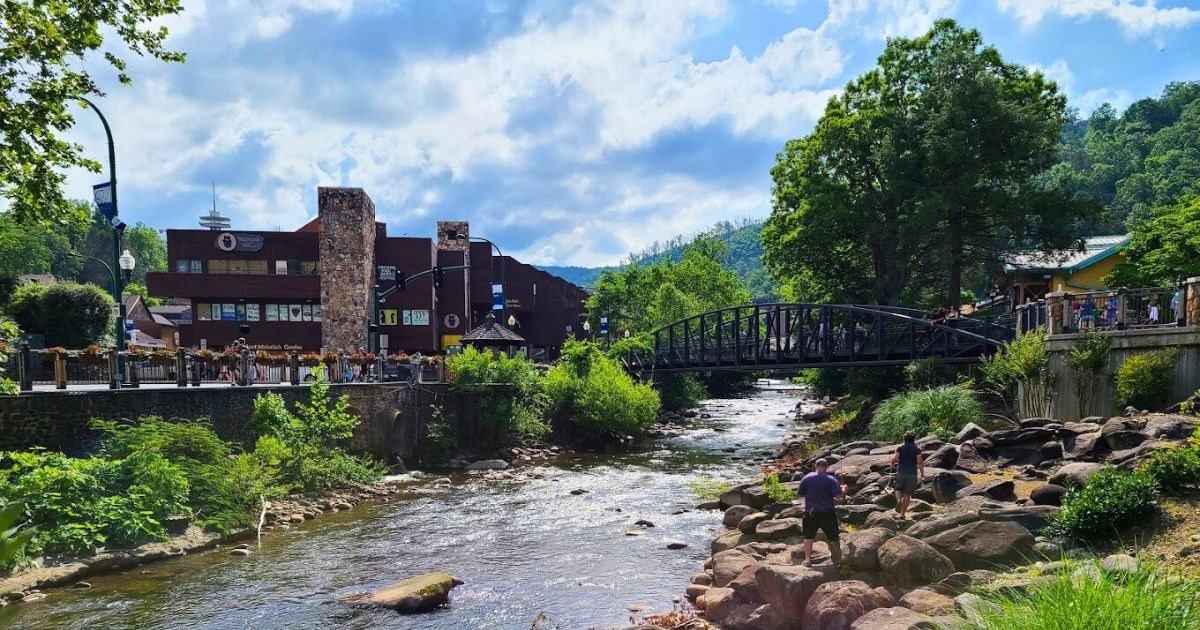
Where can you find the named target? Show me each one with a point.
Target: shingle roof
(1094, 249)
(492, 332)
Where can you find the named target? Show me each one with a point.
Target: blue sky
(569, 133)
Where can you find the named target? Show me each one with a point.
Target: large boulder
(1122, 433)
(719, 603)
(487, 464)
(985, 545)
(836, 605)
(1048, 494)
(1031, 435)
(751, 617)
(944, 457)
(1083, 446)
(1031, 517)
(414, 595)
(849, 469)
(857, 514)
(947, 483)
(934, 526)
(968, 433)
(1074, 475)
(729, 540)
(861, 548)
(894, 618)
(928, 602)
(971, 458)
(1007, 456)
(906, 561)
(728, 564)
(750, 522)
(788, 588)
(998, 489)
(884, 520)
(777, 528)
(1171, 427)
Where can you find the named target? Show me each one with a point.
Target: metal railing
(1120, 309)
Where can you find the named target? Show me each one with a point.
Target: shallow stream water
(523, 546)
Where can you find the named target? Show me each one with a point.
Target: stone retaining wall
(394, 415)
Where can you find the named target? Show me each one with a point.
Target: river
(523, 546)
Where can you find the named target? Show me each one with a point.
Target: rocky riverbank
(981, 513)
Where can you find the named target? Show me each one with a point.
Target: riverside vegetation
(154, 470)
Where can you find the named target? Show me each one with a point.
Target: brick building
(311, 289)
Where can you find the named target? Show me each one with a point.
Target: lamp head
(512, 320)
(127, 261)
(587, 326)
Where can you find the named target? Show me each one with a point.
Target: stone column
(347, 266)
(1191, 309)
(1056, 317)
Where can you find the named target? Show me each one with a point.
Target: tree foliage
(68, 314)
(47, 47)
(922, 167)
(595, 396)
(1163, 249)
(504, 392)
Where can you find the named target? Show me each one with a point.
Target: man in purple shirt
(820, 490)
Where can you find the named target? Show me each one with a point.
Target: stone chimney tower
(347, 266)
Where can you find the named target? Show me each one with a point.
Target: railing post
(826, 326)
(25, 368)
(757, 324)
(1056, 307)
(778, 334)
(244, 372)
(703, 345)
(687, 343)
(131, 369)
(737, 336)
(180, 367)
(112, 370)
(720, 343)
(60, 371)
(657, 346)
(294, 368)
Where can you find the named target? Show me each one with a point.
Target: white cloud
(1135, 18)
(889, 18)
(1059, 72)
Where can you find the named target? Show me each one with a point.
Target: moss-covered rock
(414, 595)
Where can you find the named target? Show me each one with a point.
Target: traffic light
(401, 280)
(437, 277)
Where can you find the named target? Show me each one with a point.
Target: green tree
(1163, 249)
(68, 314)
(923, 167)
(47, 46)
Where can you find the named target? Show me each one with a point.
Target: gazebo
(495, 336)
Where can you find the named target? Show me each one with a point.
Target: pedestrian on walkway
(910, 472)
(820, 490)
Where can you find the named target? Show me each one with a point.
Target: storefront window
(188, 265)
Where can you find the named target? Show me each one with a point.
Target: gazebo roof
(492, 333)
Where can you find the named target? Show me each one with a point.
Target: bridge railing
(1119, 309)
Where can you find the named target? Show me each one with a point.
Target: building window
(237, 266)
(295, 267)
(204, 312)
(188, 265)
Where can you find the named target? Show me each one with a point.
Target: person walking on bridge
(820, 490)
(910, 471)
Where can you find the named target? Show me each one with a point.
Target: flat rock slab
(415, 595)
(895, 618)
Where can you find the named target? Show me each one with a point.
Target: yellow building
(1031, 275)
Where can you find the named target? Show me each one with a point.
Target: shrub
(595, 396)
(1144, 600)
(947, 408)
(776, 491)
(1173, 468)
(1088, 361)
(68, 314)
(1145, 380)
(1020, 373)
(928, 373)
(824, 382)
(1112, 499)
(681, 391)
(505, 392)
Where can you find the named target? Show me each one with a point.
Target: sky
(568, 133)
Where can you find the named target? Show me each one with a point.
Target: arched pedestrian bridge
(794, 336)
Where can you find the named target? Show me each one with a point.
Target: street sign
(388, 317)
(387, 272)
(102, 195)
(603, 325)
(497, 297)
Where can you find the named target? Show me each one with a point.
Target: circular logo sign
(451, 320)
(226, 241)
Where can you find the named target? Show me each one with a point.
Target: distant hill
(743, 242)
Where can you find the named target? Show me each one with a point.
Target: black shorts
(823, 521)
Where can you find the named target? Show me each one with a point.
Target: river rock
(777, 528)
(1171, 427)
(729, 540)
(735, 514)
(862, 547)
(985, 545)
(906, 561)
(927, 602)
(857, 514)
(894, 618)
(1031, 435)
(836, 605)
(676, 545)
(971, 459)
(788, 588)
(1083, 447)
(695, 590)
(728, 564)
(1074, 475)
(944, 457)
(967, 433)
(719, 603)
(946, 484)
(999, 489)
(883, 520)
(488, 464)
(239, 552)
(414, 595)
(749, 524)
(1032, 517)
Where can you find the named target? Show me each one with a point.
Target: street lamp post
(126, 263)
(118, 229)
(503, 269)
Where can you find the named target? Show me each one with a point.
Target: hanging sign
(497, 297)
(239, 242)
(102, 195)
(451, 320)
(603, 325)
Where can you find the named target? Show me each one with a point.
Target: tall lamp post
(503, 271)
(126, 263)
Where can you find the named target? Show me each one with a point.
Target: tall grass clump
(1144, 600)
(1145, 380)
(1111, 500)
(595, 397)
(945, 409)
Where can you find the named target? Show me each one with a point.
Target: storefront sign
(451, 320)
(512, 304)
(497, 297)
(273, 346)
(387, 272)
(239, 242)
(415, 318)
(387, 317)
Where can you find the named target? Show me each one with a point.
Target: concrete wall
(393, 415)
(1126, 343)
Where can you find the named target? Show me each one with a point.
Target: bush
(777, 492)
(1173, 468)
(1111, 500)
(928, 373)
(1022, 367)
(1145, 600)
(824, 382)
(505, 392)
(947, 408)
(1088, 361)
(1145, 380)
(681, 391)
(68, 314)
(595, 396)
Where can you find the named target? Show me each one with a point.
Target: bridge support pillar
(1056, 313)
